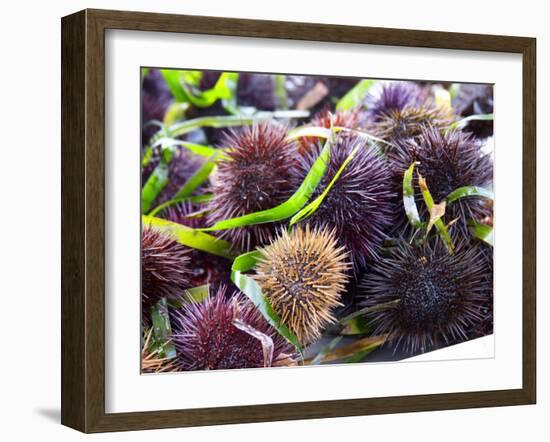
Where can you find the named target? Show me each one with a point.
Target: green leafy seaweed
(438, 222)
(409, 202)
(308, 210)
(309, 131)
(162, 330)
(198, 178)
(352, 350)
(198, 199)
(483, 232)
(280, 91)
(191, 237)
(356, 326)
(197, 149)
(469, 191)
(222, 121)
(154, 185)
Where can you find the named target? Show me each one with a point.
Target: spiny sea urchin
(351, 119)
(401, 111)
(259, 173)
(303, 274)
(360, 204)
(394, 97)
(447, 161)
(185, 213)
(484, 326)
(408, 122)
(164, 267)
(204, 268)
(430, 296)
(226, 331)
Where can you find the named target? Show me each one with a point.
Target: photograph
(297, 220)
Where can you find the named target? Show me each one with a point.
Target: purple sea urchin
(401, 111)
(438, 296)
(224, 332)
(484, 326)
(447, 161)
(185, 213)
(394, 97)
(303, 274)
(360, 204)
(164, 267)
(259, 173)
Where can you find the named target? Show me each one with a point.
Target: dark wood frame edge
(83, 215)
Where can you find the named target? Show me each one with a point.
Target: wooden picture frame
(83, 219)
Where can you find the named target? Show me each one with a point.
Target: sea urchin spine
(303, 274)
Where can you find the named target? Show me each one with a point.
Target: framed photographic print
(266, 221)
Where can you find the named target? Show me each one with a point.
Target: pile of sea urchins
(356, 252)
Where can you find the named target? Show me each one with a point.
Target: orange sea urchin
(303, 274)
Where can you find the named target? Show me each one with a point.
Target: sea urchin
(226, 331)
(303, 274)
(394, 97)
(447, 161)
(258, 173)
(164, 267)
(427, 294)
(402, 111)
(360, 203)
